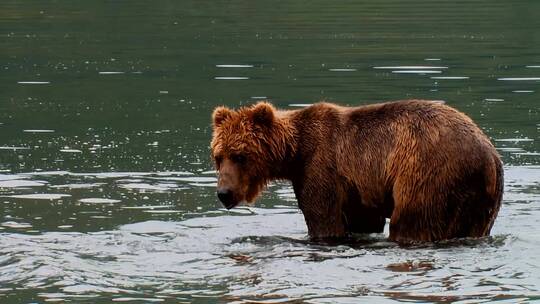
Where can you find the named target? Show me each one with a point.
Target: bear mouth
(228, 202)
(229, 205)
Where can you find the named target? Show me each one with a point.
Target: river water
(106, 185)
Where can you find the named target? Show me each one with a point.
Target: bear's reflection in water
(368, 241)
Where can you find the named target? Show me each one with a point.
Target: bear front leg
(322, 209)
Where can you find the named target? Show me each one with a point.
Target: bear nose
(226, 197)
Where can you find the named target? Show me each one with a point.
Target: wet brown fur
(422, 164)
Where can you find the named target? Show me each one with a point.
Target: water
(106, 186)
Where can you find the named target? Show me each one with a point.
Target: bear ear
(220, 115)
(263, 114)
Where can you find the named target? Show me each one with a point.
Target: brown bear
(422, 164)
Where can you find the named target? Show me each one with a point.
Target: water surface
(107, 189)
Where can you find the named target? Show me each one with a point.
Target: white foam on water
(230, 78)
(450, 77)
(410, 67)
(169, 173)
(130, 299)
(16, 225)
(46, 173)
(162, 211)
(148, 187)
(152, 227)
(522, 175)
(194, 179)
(258, 97)
(111, 73)
(40, 196)
(70, 151)
(519, 79)
(528, 154)
(14, 148)
(493, 99)
(33, 82)
(286, 194)
(64, 226)
(416, 72)
(112, 174)
(203, 184)
(97, 200)
(533, 66)
(523, 91)
(168, 185)
(17, 183)
(5, 177)
(285, 207)
(525, 139)
(38, 131)
(209, 172)
(78, 186)
(150, 207)
(234, 66)
(342, 70)
(432, 59)
(284, 190)
(508, 149)
(52, 295)
(130, 180)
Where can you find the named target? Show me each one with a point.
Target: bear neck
(287, 137)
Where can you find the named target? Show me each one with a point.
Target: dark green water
(107, 190)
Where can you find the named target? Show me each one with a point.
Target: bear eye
(238, 158)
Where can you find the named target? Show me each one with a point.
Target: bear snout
(226, 197)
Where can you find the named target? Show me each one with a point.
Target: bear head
(247, 144)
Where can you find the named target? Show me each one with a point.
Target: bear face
(245, 145)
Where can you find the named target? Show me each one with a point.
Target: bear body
(422, 164)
